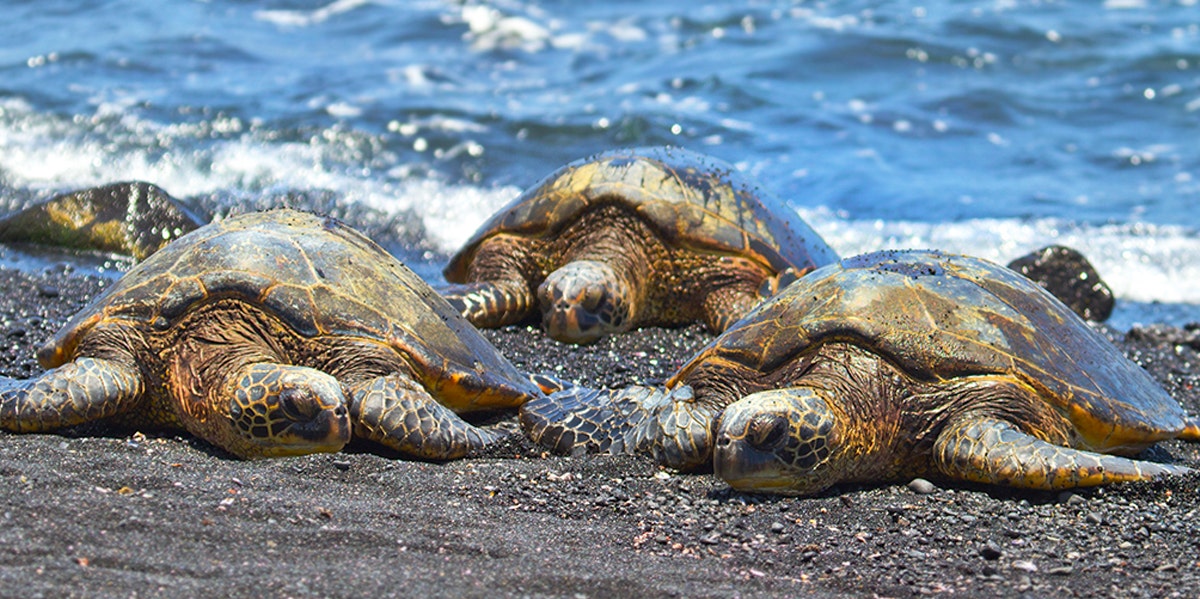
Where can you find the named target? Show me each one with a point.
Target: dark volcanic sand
(116, 513)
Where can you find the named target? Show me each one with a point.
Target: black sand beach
(100, 513)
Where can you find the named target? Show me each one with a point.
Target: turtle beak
(328, 427)
(745, 468)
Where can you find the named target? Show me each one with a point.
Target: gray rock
(921, 486)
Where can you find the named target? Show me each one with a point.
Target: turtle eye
(298, 405)
(592, 297)
(766, 431)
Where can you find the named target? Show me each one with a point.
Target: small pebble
(342, 465)
(1025, 566)
(921, 486)
(1094, 518)
(777, 527)
(991, 552)
(1071, 498)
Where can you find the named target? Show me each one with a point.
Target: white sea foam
(489, 29)
(43, 152)
(1153, 270)
(306, 18)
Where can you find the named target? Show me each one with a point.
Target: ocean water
(990, 128)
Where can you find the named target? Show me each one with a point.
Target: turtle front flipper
(490, 304)
(132, 218)
(84, 390)
(989, 450)
(397, 412)
(746, 284)
(727, 305)
(668, 425)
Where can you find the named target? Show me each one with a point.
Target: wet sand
(95, 512)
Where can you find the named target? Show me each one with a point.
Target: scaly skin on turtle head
(783, 441)
(274, 410)
(584, 301)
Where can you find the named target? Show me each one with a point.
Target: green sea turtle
(132, 218)
(885, 366)
(272, 333)
(649, 236)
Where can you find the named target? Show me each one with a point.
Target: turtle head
(783, 441)
(585, 300)
(278, 410)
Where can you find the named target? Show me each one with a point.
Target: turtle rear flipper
(81, 391)
(993, 451)
(133, 218)
(395, 411)
(667, 425)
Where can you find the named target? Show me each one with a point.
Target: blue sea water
(991, 128)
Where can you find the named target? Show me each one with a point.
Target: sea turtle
(132, 217)
(648, 236)
(268, 334)
(889, 365)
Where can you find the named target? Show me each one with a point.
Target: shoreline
(115, 513)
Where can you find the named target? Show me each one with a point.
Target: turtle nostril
(767, 430)
(340, 411)
(723, 441)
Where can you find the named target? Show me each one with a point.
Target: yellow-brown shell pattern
(695, 201)
(938, 317)
(321, 278)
